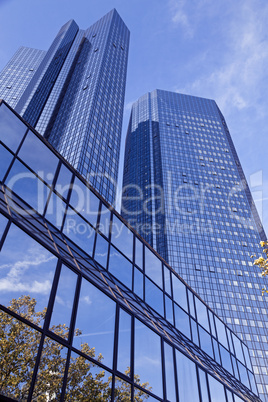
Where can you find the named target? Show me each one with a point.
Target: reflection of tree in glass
(18, 349)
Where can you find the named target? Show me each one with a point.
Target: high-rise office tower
(88, 310)
(75, 95)
(185, 192)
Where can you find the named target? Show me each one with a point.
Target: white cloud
(179, 17)
(7, 285)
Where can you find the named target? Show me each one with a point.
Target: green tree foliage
(262, 262)
(18, 349)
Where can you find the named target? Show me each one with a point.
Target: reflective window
(201, 312)
(45, 167)
(105, 220)
(187, 379)
(170, 373)
(169, 310)
(238, 348)
(138, 253)
(3, 223)
(95, 323)
(124, 343)
(226, 359)
(147, 360)
(84, 201)
(203, 385)
(122, 237)
(122, 390)
(79, 231)
(63, 181)
(154, 296)
(167, 280)
(221, 332)
(50, 370)
(179, 292)
(205, 341)
(243, 374)
(26, 272)
(87, 380)
(101, 251)
(63, 303)
(27, 186)
(216, 390)
(182, 321)
(5, 160)
(138, 283)
(120, 267)
(17, 339)
(55, 210)
(153, 267)
(12, 129)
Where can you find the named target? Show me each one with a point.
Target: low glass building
(89, 311)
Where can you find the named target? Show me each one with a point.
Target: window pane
(170, 373)
(87, 381)
(124, 343)
(55, 210)
(27, 186)
(201, 312)
(17, 339)
(203, 385)
(169, 309)
(44, 166)
(84, 201)
(179, 292)
(122, 391)
(5, 160)
(187, 379)
(12, 128)
(221, 332)
(79, 231)
(167, 280)
(122, 237)
(147, 360)
(105, 219)
(226, 359)
(216, 390)
(26, 272)
(238, 348)
(138, 253)
(205, 341)
(101, 251)
(63, 304)
(96, 321)
(63, 181)
(138, 283)
(120, 267)
(50, 371)
(153, 267)
(3, 223)
(154, 296)
(182, 321)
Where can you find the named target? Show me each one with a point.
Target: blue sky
(211, 49)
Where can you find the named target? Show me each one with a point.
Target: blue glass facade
(19, 71)
(76, 98)
(88, 310)
(185, 192)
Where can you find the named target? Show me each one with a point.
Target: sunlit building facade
(73, 94)
(185, 192)
(89, 311)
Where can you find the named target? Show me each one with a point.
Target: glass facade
(185, 192)
(75, 97)
(89, 311)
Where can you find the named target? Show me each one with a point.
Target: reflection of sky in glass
(120, 267)
(138, 253)
(63, 304)
(5, 159)
(153, 267)
(44, 166)
(179, 292)
(187, 378)
(147, 363)
(26, 268)
(124, 341)
(96, 320)
(27, 186)
(122, 237)
(170, 376)
(154, 296)
(203, 385)
(55, 210)
(3, 222)
(11, 128)
(63, 181)
(101, 251)
(216, 390)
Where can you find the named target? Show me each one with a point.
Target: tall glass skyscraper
(73, 94)
(185, 192)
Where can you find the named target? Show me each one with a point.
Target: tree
(262, 263)
(18, 350)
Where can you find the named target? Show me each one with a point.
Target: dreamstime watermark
(186, 208)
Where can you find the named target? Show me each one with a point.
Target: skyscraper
(75, 95)
(185, 192)
(88, 310)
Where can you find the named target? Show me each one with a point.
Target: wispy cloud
(179, 16)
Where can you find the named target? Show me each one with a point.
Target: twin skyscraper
(174, 326)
